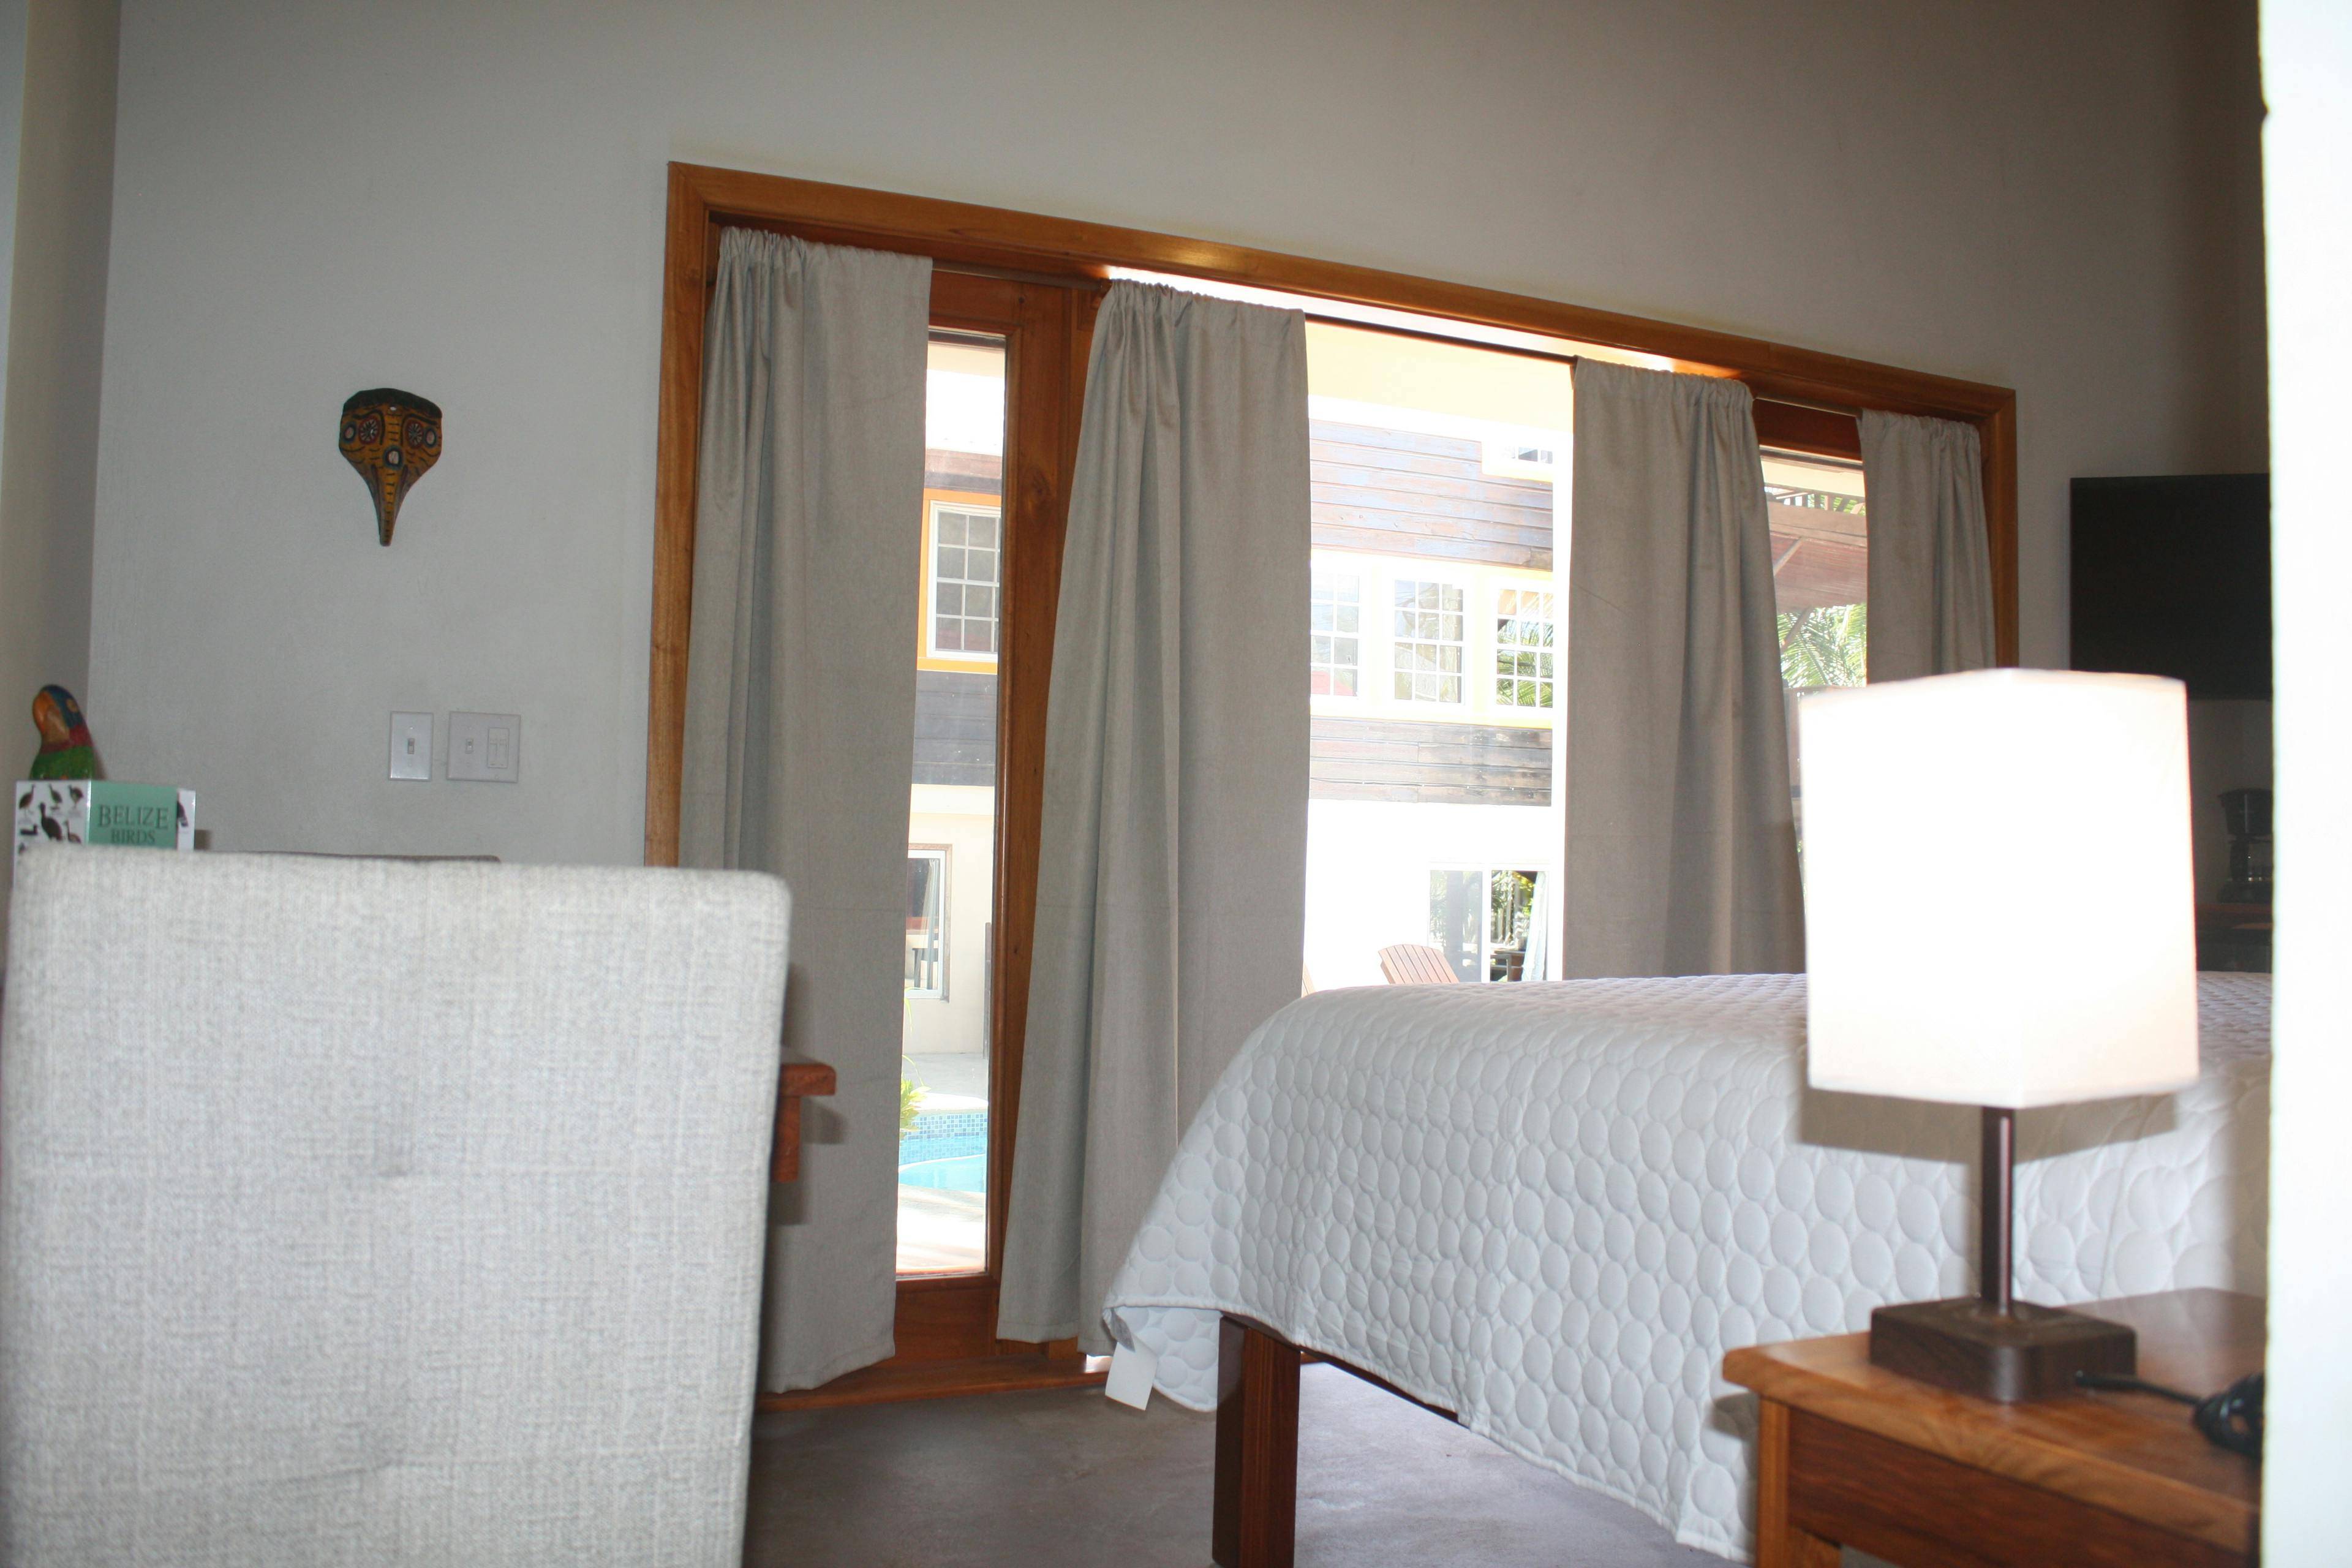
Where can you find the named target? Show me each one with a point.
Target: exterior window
(966, 550)
(1334, 639)
(926, 923)
(1479, 921)
(1428, 629)
(1820, 570)
(1526, 456)
(1522, 669)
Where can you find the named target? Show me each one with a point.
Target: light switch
(487, 746)
(412, 746)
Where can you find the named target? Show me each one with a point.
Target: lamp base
(2027, 1353)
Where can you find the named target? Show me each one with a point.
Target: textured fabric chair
(356, 1213)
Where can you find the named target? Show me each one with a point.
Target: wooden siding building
(1373, 491)
(1399, 492)
(1407, 493)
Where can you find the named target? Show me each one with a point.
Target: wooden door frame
(1805, 397)
(1042, 276)
(946, 1328)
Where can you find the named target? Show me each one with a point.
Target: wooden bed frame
(1255, 1524)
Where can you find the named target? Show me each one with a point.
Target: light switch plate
(412, 746)
(485, 746)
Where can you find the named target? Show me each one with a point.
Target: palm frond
(1826, 645)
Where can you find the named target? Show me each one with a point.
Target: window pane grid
(1335, 646)
(1428, 626)
(966, 554)
(1523, 648)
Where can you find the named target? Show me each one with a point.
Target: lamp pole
(1999, 1163)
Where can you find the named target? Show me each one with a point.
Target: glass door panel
(952, 815)
(1821, 582)
(1435, 616)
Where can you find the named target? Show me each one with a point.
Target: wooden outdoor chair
(1416, 963)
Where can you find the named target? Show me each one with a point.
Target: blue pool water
(922, 1145)
(964, 1173)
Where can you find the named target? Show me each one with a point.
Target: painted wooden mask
(391, 437)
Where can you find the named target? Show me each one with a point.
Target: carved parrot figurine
(66, 751)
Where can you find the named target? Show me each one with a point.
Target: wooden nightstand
(1851, 1455)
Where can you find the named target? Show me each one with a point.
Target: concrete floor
(1067, 1480)
(954, 1080)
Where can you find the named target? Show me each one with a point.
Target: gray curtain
(800, 724)
(1931, 565)
(1682, 853)
(1171, 899)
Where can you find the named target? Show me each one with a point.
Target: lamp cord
(2231, 1419)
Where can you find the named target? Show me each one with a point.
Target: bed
(1548, 1209)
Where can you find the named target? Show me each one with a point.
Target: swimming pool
(964, 1173)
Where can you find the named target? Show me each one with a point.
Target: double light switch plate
(485, 746)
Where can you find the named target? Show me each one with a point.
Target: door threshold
(890, 1381)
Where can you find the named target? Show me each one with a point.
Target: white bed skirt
(1552, 1208)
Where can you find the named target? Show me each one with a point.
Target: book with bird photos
(100, 811)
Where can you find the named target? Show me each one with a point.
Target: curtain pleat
(1682, 855)
(1171, 901)
(1930, 564)
(800, 725)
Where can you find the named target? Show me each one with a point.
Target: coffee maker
(2248, 814)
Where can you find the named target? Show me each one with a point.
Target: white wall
(14, 18)
(961, 819)
(2307, 71)
(56, 155)
(468, 203)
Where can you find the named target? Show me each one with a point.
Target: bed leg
(1256, 1517)
(1780, 1542)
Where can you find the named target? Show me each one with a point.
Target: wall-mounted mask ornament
(391, 437)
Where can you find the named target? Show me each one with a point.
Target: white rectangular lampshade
(1998, 903)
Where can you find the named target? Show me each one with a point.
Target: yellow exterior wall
(1517, 391)
(961, 820)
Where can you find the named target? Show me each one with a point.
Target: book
(101, 811)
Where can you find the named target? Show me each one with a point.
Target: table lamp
(1943, 818)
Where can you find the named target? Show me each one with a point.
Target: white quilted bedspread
(1552, 1208)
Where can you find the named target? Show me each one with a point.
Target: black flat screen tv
(2172, 576)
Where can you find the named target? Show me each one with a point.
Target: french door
(993, 556)
(1030, 284)
(992, 580)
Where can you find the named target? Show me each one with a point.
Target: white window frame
(938, 855)
(1497, 649)
(931, 647)
(1394, 644)
(1367, 581)
(1498, 457)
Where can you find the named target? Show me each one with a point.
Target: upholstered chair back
(354, 1212)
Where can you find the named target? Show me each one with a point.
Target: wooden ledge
(808, 1078)
(797, 1079)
